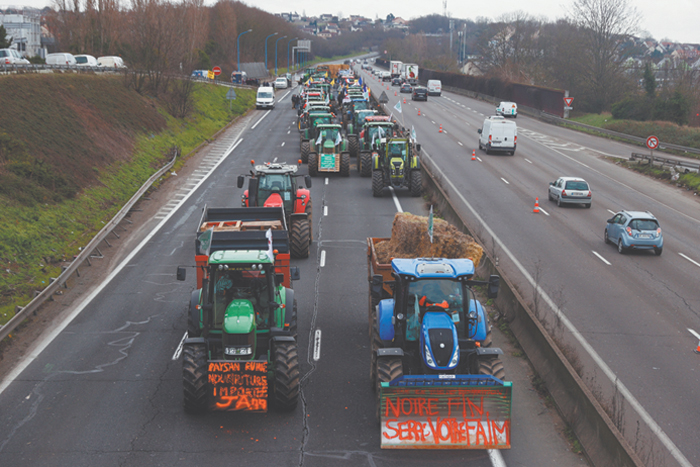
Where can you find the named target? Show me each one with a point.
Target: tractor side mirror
(494, 285)
(377, 284)
(181, 273)
(294, 273)
(241, 180)
(307, 181)
(418, 148)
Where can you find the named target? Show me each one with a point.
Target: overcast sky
(672, 19)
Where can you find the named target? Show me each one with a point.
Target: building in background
(23, 25)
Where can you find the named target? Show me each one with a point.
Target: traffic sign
(216, 70)
(210, 75)
(383, 99)
(231, 94)
(568, 101)
(652, 142)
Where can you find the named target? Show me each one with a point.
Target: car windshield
(643, 224)
(576, 185)
(264, 95)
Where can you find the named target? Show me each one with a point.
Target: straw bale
(409, 239)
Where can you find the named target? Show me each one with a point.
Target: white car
(111, 62)
(85, 60)
(60, 59)
(12, 57)
(570, 190)
(507, 109)
(265, 98)
(281, 83)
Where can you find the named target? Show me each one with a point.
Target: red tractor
(275, 185)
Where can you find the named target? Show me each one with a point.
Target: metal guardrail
(678, 165)
(51, 289)
(41, 68)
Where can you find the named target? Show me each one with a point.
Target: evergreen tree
(4, 43)
(649, 81)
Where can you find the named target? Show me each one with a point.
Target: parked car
(111, 62)
(570, 190)
(638, 230)
(60, 59)
(12, 57)
(507, 109)
(420, 94)
(85, 60)
(405, 87)
(281, 83)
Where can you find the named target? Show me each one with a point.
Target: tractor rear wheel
(375, 344)
(377, 183)
(345, 164)
(492, 366)
(313, 164)
(293, 321)
(365, 164)
(305, 150)
(352, 145)
(299, 238)
(488, 341)
(286, 380)
(309, 215)
(194, 377)
(415, 183)
(388, 369)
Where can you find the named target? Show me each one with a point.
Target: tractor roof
(239, 256)
(438, 268)
(377, 118)
(328, 125)
(276, 168)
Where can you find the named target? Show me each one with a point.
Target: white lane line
(178, 350)
(496, 458)
(396, 200)
(694, 262)
(527, 160)
(460, 143)
(479, 159)
(282, 143)
(601, 258)
(506, 181)
(614, 380)
(261, 119)
(544, 212)
(694, 333)
(326, 181)
(289, 131)
(433, 122)
(611, 212)
(317, 345)
(323, 258)
(325, 210)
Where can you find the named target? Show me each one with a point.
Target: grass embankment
(666, 131)
(73, 150)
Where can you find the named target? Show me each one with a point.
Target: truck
(240, 352)
(438, 382)
(395, 68)
(409, 72)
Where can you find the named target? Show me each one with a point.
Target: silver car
(12, 57)
(570, 190)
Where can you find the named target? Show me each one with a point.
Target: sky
(676, 20)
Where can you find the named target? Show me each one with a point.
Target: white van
(434, 87)
(507, 109)
(281, 83)
(111, 62)
(498, 134)
(85, 60)
(265, 98)
(60, 59)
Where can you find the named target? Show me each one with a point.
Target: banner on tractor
(238, 386)
(464, 412)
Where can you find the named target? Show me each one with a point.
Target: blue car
(634, 230)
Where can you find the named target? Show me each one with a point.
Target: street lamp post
(290, 41)
(266, 47)
(238, 48)
(276, 53)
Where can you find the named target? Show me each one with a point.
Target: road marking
(433, 122)
(544, 212)
(694, 333)
(527, 160)
(601, 258)
(611, 212)
(479, 159)
(496, 458)
(178, 351)
(506, 181)
(261, 119)
(326, 180)
(396, 200)
(323, 258)
(283, 143)
(460, 143)
(694, 262)
(317, 345)
(325, 210)
(641, 411)
(289, 131)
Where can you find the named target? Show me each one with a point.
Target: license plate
(645, 236)
(576, 193)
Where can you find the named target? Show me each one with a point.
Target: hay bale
(409, 239)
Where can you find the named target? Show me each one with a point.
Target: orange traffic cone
(419, 112)
(404, 100)
(537, 206)
(473, 154)
(395, 94)
(440, 128)
(698, 349)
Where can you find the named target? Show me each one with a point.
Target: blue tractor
(433, 324)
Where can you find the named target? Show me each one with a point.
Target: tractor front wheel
(313, 164)
(345, 164)
(352, 145)
(309, 215)
(293, 321)
(415, 183)
(194, 377)
(305, 150)
(377, 183)
(286, 380)
(492, 366)
(388, 369)
(365, 164)
(299, 236)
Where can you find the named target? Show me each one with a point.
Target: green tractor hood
(239, 317)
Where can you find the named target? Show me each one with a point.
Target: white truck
(498, 134)
(409, 72)
(395, 68)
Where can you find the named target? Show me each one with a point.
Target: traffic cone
(440, 128)
(698, 349)
(419, 112)
(537, 206)
(473, 154)
(404, 100)
(395, 94)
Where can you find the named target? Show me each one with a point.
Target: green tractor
(330, 151)
(397, 166)
(354, 126)
(308, 127)
(377, 129)
(241, 348)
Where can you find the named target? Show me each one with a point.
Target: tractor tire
(309, 214)
(345, 164)
(388, 369)
(194, 378)
(299, 238)
(285, 389)
(293, 327)
(488, 341)
(375, 344)
(353, 145)
(365, 164)
(372, 311)
(377, 183)
(492, 366)
(313, 164)
(415, 183)
(193, 329)
(305, 150)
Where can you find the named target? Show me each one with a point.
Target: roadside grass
(37, 238)
(597, 120)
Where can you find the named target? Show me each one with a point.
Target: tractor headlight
(455, 357)
(233, 351)
(428, 357)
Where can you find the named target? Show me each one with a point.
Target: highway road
(621, 318)
(104, 386)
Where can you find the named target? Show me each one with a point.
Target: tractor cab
(329, 136)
